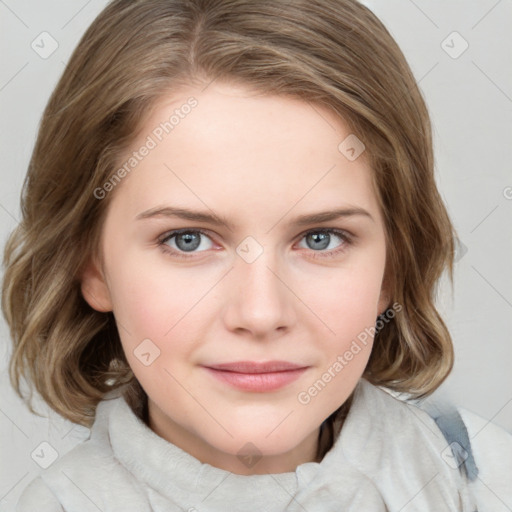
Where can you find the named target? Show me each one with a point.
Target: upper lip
(256, 367)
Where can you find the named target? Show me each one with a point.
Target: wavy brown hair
(334, 54)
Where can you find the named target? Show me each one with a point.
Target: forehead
(231, 148)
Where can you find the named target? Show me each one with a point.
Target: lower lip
(257, 382)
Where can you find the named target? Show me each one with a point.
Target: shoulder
(84, 467)
(395, 414)
(83, 477)
(47, 491)
(384, 431)
(478, 449)
(381, 424)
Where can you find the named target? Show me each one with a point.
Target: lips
(256, 367)
(259, 377)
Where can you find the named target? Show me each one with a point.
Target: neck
(243, 462)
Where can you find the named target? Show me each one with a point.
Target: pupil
(319, 240)
(187, 241)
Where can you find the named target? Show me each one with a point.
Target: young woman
(230, 241)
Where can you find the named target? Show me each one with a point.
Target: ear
(94, 287)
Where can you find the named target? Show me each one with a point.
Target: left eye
(188, 241)
(322, 240)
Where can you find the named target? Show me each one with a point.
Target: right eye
(186, 241)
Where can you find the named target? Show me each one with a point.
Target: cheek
(348, 305)
(162, 315)
(151, 299)
(346, 300)
(157, 321)
(356, 308)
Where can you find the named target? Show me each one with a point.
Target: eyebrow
(211, 218)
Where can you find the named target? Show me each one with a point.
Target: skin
(260, 162)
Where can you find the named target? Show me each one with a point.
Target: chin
(262, 441)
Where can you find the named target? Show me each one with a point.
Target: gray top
(389, 456)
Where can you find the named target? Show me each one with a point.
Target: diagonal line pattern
(421, 490)
(198, 301)
(199, 403)
(424, 13)
(427, 73)
(14, 76)
(280, 423)
(76, 14)
(9, 213)
(301, 300)
(68, 432)
(488, 215)
(492, 81)
(286, 490)
(216, 487)
(3, 3)
(494, 288)
(490, 421)
(320, 115)
(213, 213)
(299, 200)
(485, 15)
(418, 417)
(101, 510)
(208, 84)
(11, 489)
(508, 508)
(13, 422)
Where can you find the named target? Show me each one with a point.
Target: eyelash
(345, 237)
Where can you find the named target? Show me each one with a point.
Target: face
(242, 255)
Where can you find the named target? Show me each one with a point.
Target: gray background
(469, 94)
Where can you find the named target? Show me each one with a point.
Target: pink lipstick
(258, 377)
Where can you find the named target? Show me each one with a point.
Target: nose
(260, 302)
